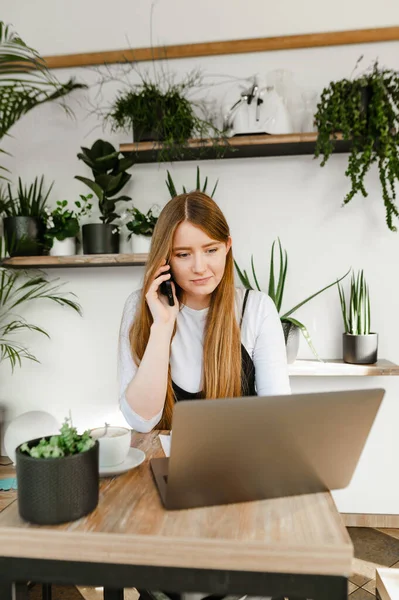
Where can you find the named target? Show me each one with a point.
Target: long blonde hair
(222, 347)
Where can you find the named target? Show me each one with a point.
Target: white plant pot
(66, 247)
(141, 244)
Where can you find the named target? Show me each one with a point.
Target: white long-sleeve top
(261, 334)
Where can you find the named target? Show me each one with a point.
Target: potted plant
(365, 111)
(58, 477)
(360, 345)
(17, 289)
(141, 228)
(63, 225)
(172, 188)
(161, 110)
(109, 172)
(24, 218)
(291, 326)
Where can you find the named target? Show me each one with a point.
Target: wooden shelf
(79, 260)
(337, 368)
(242, 146)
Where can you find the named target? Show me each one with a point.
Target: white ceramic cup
(114, 444)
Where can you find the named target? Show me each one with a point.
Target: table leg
(336, 589)
(21, 591)
(113, 593)
(46, 591)
(6, 590)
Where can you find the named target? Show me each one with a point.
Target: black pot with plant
(364, 110)
(109, 173)
(24, 218)
(58, 477)
(161, 110)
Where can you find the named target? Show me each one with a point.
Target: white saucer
(134, 458)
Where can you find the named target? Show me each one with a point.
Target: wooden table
(287, 546)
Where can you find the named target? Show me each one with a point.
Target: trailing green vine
(366, 111)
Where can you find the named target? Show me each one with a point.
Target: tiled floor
(373, 548)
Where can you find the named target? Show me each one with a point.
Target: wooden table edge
(114, 548)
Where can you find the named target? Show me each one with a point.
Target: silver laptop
(241, 449)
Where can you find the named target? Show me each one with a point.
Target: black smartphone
(166, 289)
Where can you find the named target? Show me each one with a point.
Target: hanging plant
(364, 110)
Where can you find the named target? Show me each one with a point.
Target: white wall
(262, 198)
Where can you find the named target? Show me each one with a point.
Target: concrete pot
(360, 349)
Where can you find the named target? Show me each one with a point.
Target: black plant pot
(365, 99)
(143, 135)
(99, 239)
(360, 349)
(24, 236)
(57, 490)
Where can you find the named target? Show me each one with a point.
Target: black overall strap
(243, 306)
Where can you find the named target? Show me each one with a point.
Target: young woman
(215, 342)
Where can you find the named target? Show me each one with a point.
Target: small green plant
(62, 222)
(365, 111)
(67, 443)
(172, 188)
(109, 172)
(357, 316)
(276, 288)
(27, 201)
(142, 223)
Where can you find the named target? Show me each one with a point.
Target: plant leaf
(287, 314)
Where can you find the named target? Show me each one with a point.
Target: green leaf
(243, 277)
(93, 186)
(170, 185)
(253, 272)
(287, 314)
(281, 277)
(271, 290)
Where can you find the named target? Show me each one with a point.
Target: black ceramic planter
(57, 490)
(24, 235)
(99, 239)
(360, 349)
(144, 135)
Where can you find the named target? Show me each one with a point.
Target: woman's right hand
(158, 304)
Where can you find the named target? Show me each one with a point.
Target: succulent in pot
(24, 216)
(109, 177)
(360, 344)
(58, 476)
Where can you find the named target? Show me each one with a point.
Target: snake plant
(357, 316)
(276, 289)
(202, 188)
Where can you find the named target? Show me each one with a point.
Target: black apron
(247, 372)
